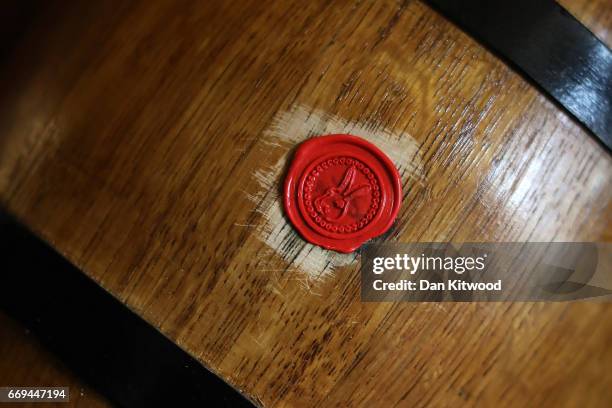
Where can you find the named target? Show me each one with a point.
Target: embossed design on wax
(341, 191)
(344, 206)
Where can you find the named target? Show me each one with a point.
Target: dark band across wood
(545, 42)
(123, 357)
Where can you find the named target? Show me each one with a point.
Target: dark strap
(108, 346)
(551, 47)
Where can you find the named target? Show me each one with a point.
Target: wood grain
(135, 136)
(25, 363)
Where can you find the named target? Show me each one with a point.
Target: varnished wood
(25, 363)
(135, 136)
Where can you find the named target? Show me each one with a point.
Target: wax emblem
(341, 191)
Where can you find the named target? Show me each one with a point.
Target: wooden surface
(146, 142)
(25, 363)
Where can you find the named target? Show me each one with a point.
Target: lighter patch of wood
(287, 130)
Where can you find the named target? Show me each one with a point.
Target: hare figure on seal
(339, 198)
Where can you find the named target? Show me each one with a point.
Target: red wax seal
(341, 191)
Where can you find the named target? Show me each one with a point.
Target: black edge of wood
(107, 345)
(552, 48)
